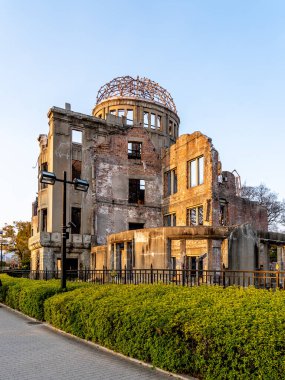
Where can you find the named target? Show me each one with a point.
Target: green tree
(18, 235)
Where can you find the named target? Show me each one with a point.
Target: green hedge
(207, 332)
(28, 296)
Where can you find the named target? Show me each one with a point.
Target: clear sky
(222, 61)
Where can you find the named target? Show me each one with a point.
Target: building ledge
(53, 239)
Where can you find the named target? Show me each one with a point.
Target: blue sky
(222, 61)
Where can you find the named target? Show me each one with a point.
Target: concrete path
(30, 350)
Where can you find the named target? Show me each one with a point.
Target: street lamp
(49, 178)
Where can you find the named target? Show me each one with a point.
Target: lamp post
(49, 178)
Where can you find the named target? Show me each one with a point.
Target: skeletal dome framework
(140, 88)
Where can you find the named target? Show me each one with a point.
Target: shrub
(28, 296)
(208, 332)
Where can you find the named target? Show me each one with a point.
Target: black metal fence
(185, 277)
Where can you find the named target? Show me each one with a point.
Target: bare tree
(267, 198)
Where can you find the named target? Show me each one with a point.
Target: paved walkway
(33, 351)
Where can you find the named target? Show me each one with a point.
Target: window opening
(71, 264)
(130, 255)
(43, 167)
(76, 220)
(152, 121)
(170, 182)
(136, 226)
(134, 149)
(145, 119)
(170, 128)
(194, 216)
(112, 112)
(130, 117)
(119, 251)
(76, 169)
(136, 191)
(44, 219)
(158, 121)
(121, 113)
(112, 256)
(76, 136)
(196, 171)
(169, 220)
(191, 265)
(173, 262)
(223, 212)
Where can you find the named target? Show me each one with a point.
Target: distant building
(168, 193)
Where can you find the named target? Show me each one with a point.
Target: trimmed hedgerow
(208, 332)
(28, 296)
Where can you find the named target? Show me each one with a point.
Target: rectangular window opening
(170, 182)
(196, 172)
(130, 117)
(137, 191)
(158, 122)
(170, 128)
(152, 121)
(136, 226)
(44, 220)
(134, 149)
(76, 220)
(76, 136)
(194, 216)
(169, 220)
(145, 119)
(121, 113)
(76, 169)
(43, 167)
(130, 255)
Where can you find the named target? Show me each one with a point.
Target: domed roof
(141, 88)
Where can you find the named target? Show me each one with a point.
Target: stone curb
(101, 348)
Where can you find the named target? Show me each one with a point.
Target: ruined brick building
(154, 198)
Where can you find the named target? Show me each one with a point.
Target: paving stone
(31, 351)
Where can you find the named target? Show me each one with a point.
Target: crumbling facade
(144, 180)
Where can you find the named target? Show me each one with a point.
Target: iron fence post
(183, 275)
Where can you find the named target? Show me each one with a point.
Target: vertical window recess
(130, 117)
(169, 220)
(145, 119)
(76, 136)
(134, 149)
(137, 191)
(196, 172)
(76, 169)
(194, 216)
(76, 220)
(44, 220)
(170, 182)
